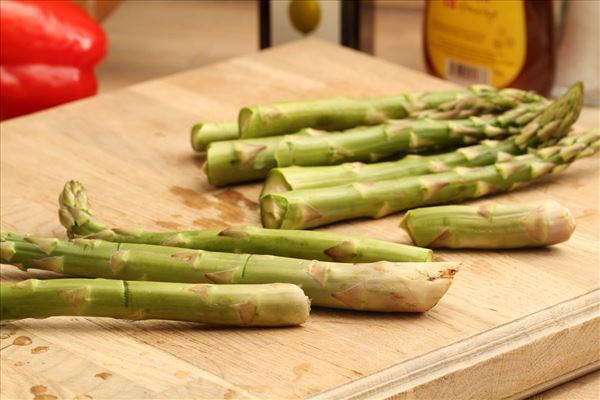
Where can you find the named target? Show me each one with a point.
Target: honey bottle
(503, 43)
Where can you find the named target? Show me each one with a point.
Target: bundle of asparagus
(276, 304)
(77, 217)
(314, 207)
(343, 113)
(381, 286)
(494, 226)
(251, 158)
(246, 160)
(308, 208)
(557, 120)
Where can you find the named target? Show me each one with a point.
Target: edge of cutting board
(562, 342)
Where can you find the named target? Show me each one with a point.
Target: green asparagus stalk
(381, 286)
(488, 152)
(299, 178)
(234, 161)
(276, 304)
(495, 226)
(343, 113)
(75, 215)
(204, 133)
(310, 208)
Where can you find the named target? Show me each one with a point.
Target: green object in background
(276, 304)
(493, 226)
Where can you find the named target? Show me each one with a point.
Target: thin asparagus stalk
(75, 215)
(234, 161)
(343, 113)
(495, 226)
(276, 304)
(488, 152)
(297, 178)
(204, 133)
(300, 209)
(381, 286)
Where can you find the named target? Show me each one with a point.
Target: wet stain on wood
(38, 389)
(103, 375)
(234, 197)
(229, 394)
(226, 203)
(19, 364)
(45, 396)
(190, 197)
(22, 341)
(39, 350)
(300, 369)
(208, 223)
(173, 226)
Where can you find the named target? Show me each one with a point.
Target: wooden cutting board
(512, 324)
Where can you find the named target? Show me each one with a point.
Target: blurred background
(151, 38)
(148, 39)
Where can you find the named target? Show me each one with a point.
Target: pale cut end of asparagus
(493, 226)
(272, 211)
(204, 133)
(275, 183)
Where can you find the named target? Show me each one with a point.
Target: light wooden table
(514, 322)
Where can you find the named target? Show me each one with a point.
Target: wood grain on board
(512, 324)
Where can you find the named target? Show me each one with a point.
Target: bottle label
(477, 41)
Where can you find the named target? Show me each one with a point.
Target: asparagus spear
(493, 226)
(277, 304)
(343, 113)
(233, 161)
(298, 178)
(76, 215)
(309, 208)
(204, 133)
(381, 286)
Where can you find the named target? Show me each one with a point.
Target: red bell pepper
(49, 51)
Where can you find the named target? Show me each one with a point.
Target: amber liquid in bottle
(456, 33)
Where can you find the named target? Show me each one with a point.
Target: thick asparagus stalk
(204, 133)
(76, 215)
(234, 161)
(276, 304)
(314, 207)
(343, 113)
(494, 226)
(381, 286)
